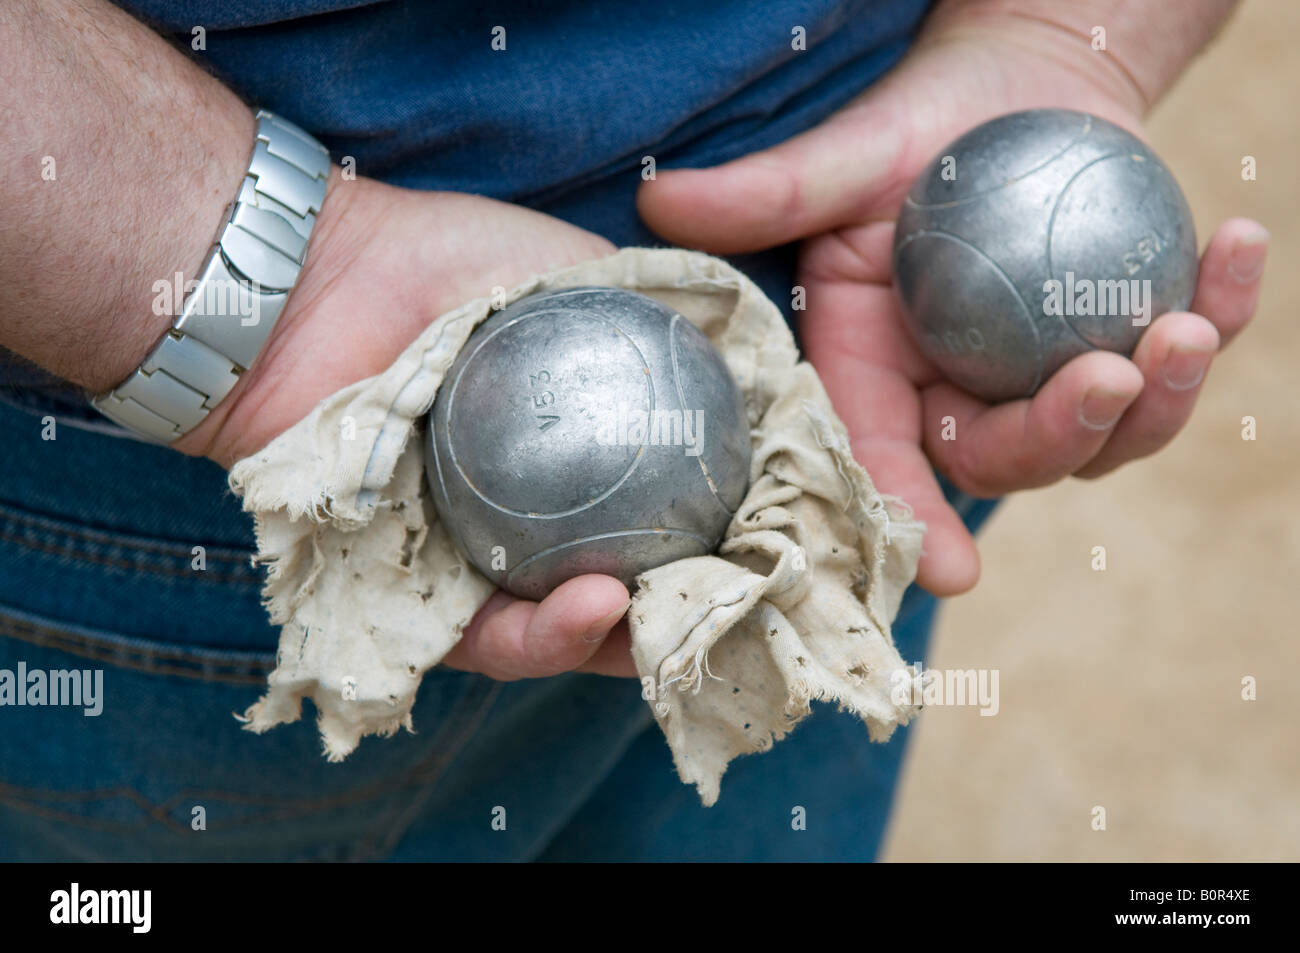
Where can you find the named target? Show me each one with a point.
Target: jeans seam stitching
(59, 526)
(250, 672)
(248, 580)
(28, 799)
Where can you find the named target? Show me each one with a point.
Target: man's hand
(382, 264)
(100, 199)
(839, 185)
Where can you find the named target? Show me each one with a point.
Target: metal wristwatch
(239, 294)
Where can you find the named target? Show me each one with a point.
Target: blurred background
(1123, 688)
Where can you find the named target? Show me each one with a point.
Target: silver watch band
(240, 293)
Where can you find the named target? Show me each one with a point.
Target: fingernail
(1247, 259)
(600, 628)
(1102, 408)
(1185, 367)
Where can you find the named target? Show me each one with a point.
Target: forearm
(121, 156)
(1147, 42)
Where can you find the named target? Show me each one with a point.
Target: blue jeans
(97, 572)
(98, 533)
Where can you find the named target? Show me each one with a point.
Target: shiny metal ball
(1033, 238)
(589, 430)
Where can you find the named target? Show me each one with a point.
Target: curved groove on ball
(685, 407)
(1117, 174)
(586, 504)
(1012, 320)
(698, 546)
(988, 190)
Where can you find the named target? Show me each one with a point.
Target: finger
(614, 656)
(859, 255)
(880, 409)
(1227, 287)
(816, 181)
(868, 368)
(513, 638)
(991, 450)
(950, 561)
(1173, 355)
(852, 327)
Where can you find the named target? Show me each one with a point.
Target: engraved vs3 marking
(543, 399)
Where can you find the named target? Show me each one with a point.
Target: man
(488, 145)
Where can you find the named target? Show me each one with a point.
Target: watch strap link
(239, 294)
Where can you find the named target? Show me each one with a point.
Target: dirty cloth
(732, 648)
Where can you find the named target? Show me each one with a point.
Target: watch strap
(240, 293)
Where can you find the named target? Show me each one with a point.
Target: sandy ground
(1122, 689)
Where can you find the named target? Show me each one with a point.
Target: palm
(877, 379)
(891, 397)
(945, 88)
(852, 329)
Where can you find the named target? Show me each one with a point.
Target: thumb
(839, 172)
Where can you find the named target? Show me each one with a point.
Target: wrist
(1054, 36)
(1129, 51)
(137, 296)
(232, 307)
(120, 156)
(233, 428)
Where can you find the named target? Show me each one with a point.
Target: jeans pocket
(115, 747)
(174, 590)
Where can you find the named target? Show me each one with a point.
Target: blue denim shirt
(560, 119)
